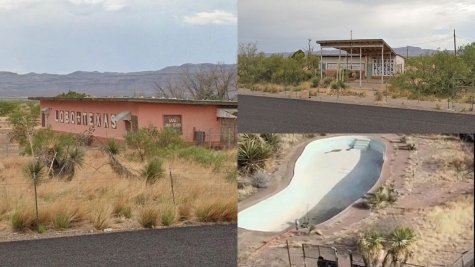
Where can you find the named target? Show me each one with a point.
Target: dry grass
(443, 229)
(452, 161)
(97, 197)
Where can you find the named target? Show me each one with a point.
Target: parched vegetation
(109, 185)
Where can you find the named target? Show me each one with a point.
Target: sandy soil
(436, 201)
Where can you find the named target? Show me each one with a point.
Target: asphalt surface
(183, 246)
(276, 115)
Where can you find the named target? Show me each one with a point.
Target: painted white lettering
(66, 117)
(61, 116)
(113, 122)
(106, 120)
(72, 117)
(91, 119)
(84, 118)
(56, 116)
(98, 119)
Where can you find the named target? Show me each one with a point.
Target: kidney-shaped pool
(329, 175)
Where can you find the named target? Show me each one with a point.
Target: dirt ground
(436, 200)
(370, 100)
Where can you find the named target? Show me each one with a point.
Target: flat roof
(369, 47)
(143, 100)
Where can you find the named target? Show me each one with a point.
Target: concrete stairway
(361, 144)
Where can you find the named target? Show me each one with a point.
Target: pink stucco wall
(202, 117)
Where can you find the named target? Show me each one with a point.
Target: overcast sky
(63, 36)
(284, 26)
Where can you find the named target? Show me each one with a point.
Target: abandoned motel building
(370, 59)
(207, 122)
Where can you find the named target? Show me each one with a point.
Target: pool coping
(288, 170)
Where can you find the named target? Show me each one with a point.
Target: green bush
(315, 82)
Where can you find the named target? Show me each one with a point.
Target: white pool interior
(329, 175)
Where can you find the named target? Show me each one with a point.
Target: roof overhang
(45, 110)
(369, 47)
(123, 116)
(227, 113)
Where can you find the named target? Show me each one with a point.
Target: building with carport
(371, 58)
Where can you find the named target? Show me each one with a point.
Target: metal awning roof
(369, 47)
(227, 113)
(124, 116)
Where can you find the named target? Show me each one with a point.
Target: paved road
(190, 246)
(276, 115)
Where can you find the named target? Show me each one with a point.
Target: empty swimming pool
(329, 175)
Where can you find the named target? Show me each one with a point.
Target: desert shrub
(384, 196)
(315, 82)
(378, 96)
(184, 212)
(153, 170)
(167, 216)
(260, 179)
(122, 209)
(217, 211)
(204, 156)
(22, 219)
(100, 218)
(327, 81)
(148, 217)
(62, 220)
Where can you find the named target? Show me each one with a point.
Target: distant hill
(413, 52)
(93, 83)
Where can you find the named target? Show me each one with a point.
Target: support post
(339, 61)
(321, 63)
(382, 63)
(35, 179)
(288, 252)
(303, 253)
(360, 67)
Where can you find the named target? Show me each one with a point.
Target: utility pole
(455, 46)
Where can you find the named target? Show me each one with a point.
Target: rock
(318, 232)
(108, 230)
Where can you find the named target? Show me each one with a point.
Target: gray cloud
(283, 26)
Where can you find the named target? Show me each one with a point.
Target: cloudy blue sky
(284, 26)
(63, 36)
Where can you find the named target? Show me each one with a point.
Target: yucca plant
(399, 245)
(252, 155)
(73, 159)
(370, 245)
(273, 140)
(34, 169)
(153, 170)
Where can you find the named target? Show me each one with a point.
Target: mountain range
(93, 83)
